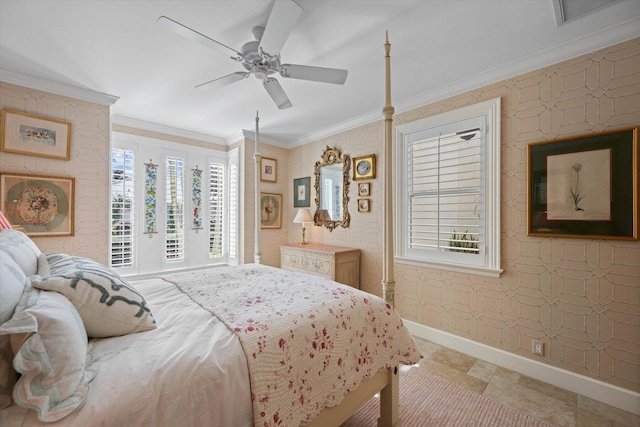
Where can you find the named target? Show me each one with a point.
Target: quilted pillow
(51, 352)
(12, 284)
(108, 305)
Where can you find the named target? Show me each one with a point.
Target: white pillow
(51, 354)
(12, 284)
(21, 248)
(108, 305)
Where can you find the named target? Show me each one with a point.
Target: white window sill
(469, 269)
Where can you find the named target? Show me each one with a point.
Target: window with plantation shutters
(448, 203)
(194, 216)
(216, 210)
(122, 207)
(174, 193)
(233, 206)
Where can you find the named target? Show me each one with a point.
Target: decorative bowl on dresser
(333, 262)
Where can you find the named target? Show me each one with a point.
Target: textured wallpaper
(89, 165)
(581, 297)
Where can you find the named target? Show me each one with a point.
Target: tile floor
(543, 401)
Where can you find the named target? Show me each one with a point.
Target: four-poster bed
(233, 346)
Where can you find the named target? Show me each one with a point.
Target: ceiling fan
(262, 56)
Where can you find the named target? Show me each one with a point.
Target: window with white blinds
(174, 227)
(216, 210)
(233, 222)
(122, 208)
(448, 203)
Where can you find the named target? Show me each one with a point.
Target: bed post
(388, 283)
(390, 395)
(257, 256)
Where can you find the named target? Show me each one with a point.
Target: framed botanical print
(270, 210)
(301, 196)
(268, 169)
(364, 167)
(42, 205)
(585, 186)
(24, 133)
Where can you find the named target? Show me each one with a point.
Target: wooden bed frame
(385, 381)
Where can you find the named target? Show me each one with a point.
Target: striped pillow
(51, 354)
(108, 305)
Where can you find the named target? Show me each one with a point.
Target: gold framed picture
(584, 186)
(268, 169)
(364, 205)
(42, 205)
(24, 133)
(364, 189)
(364, 167)
(301, 194)
(270, 210)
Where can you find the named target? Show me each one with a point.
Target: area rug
(429, 400)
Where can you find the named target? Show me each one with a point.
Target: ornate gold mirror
(332, 189)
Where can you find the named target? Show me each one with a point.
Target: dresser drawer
(332, 262)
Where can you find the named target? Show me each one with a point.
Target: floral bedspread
(308, 341)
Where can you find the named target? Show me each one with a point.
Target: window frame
(489, 113)
(147, 149)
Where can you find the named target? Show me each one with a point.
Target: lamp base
(304, 242)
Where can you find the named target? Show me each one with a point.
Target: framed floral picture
(270, 210)
(364, 167)
(584, 186)
(364, 189)
(42, 205)
(24, 133)
(364, 205)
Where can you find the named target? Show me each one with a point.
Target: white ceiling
(438, 48)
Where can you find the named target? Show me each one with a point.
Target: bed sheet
(191, 371)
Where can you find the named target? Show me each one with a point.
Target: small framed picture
(42, 205)
(24, 133)
(268, 169)
(364, 189)
(270, 210)
(301, 196)
(363, 205)
(364, 167)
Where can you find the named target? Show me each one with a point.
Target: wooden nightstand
(333, 262)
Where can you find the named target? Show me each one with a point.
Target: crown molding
(264, 138)
(618, 33)
(167, 130)
(57, 88)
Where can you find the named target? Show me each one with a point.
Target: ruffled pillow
(51, 354)
(108, 305)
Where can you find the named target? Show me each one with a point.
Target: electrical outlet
(538, 348)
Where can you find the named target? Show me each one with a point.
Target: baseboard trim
(610, 394)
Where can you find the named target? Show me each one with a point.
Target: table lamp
(302, 217)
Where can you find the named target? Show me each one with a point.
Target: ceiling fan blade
(226, 80)
(316, 74)
(283, 18)
(191, 34)
(277, 93)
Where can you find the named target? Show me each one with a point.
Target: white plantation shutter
(174, 229)
(444, 190)
(448, 190)
(216, 210)
(232, 197)
(122, 208)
